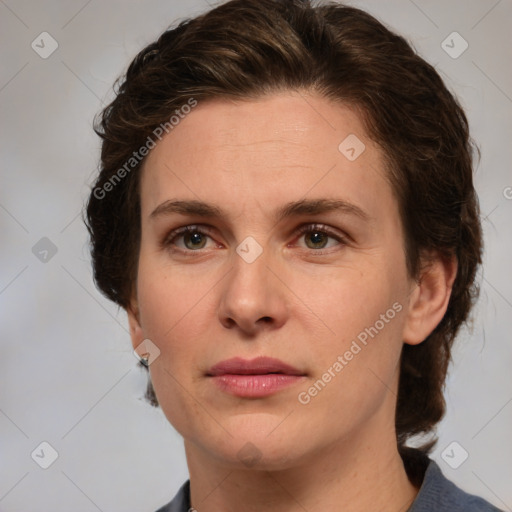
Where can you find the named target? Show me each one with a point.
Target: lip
(254, 378)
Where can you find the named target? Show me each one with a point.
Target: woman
(286, 211)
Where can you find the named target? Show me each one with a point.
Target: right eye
(187, 238)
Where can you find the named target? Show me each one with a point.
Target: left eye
(317, 236)
(196, 239)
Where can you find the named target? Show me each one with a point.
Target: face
(297, 256)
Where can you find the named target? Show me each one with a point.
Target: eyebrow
(294, 208)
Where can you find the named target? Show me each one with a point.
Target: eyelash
(168, 242)
(320, 228)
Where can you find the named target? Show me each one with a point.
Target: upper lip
(257, 366)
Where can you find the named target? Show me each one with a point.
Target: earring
(144, 359)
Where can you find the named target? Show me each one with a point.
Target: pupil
(195, 239)
(316, 238)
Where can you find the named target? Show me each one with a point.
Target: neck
(350, 476)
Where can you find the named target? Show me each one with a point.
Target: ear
(136, 333)
(429, 298)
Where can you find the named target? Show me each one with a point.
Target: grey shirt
(436, 494)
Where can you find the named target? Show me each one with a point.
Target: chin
(255, 443)
(257, 456)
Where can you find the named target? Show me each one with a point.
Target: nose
(253, 299)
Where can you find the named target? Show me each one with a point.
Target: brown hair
(246, 49)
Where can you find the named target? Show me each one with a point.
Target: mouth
(255, 378)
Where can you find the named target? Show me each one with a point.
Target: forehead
(265, 151)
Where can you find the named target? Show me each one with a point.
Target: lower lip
(255, 386)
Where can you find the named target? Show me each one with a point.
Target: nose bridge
(250, 275)
(251, 292)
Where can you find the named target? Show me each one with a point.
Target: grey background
(68, 373)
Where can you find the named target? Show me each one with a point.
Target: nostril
(230, 322)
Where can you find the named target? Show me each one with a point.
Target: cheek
(356, 368)
(353, 298)
(364, 307)
(166, 294)
(169, 309)
(176, 313)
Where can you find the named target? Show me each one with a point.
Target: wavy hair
(247, 49)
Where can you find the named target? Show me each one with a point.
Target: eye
(192, 238)
(316, 236)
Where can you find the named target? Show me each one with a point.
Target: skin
(296, 302)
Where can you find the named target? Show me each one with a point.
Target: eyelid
(191, 228)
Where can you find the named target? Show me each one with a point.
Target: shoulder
(439, 494)
(180, 502)
(436, 494)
